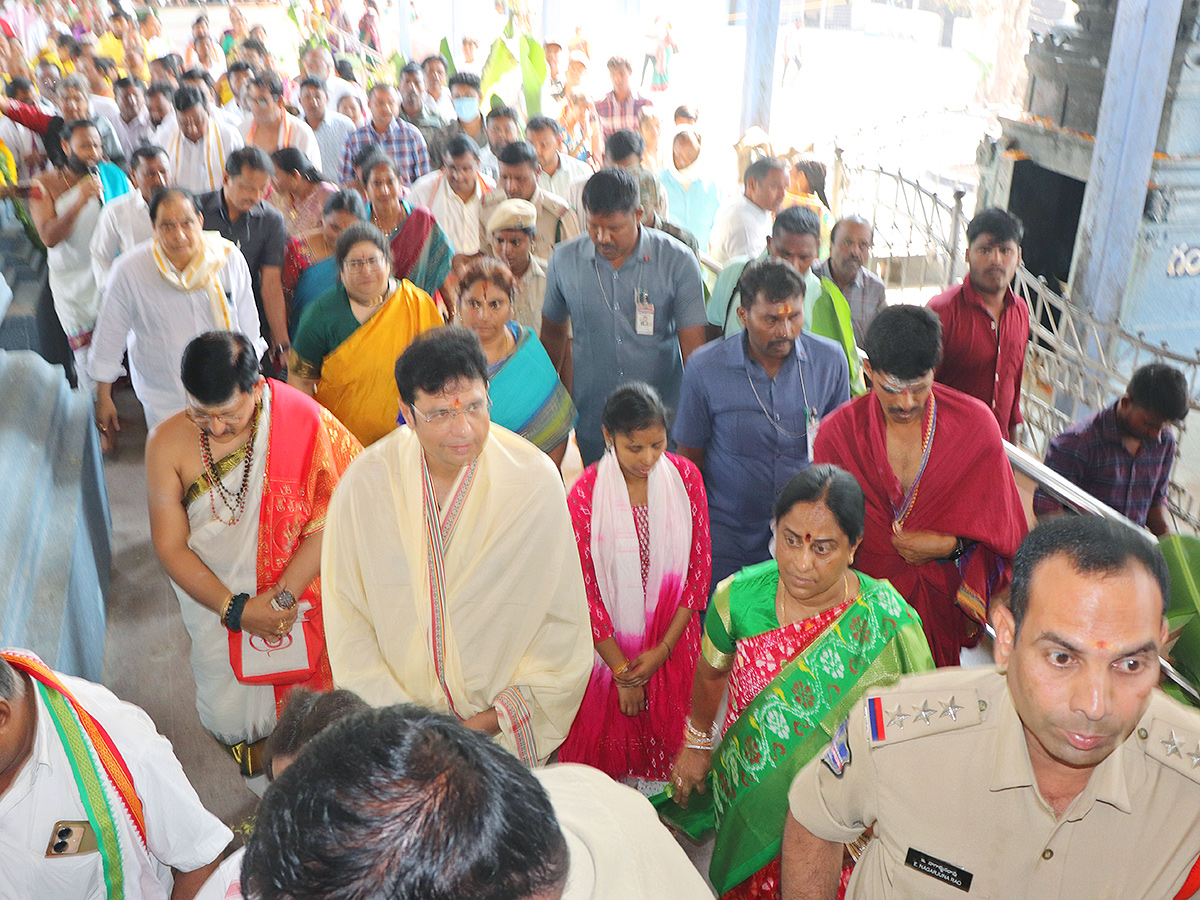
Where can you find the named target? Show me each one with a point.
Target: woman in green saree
(797, 639)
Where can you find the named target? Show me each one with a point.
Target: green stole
(877, 639)
(831, 319)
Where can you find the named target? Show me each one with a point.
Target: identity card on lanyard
(645, 312)
(812, 419)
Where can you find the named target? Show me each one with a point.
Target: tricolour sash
(94, 759)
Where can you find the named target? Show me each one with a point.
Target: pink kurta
(639, 746)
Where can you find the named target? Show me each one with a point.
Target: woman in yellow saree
(347, 342)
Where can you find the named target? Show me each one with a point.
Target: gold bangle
(225, 608)
(621, 668)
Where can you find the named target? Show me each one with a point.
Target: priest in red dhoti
(944, 518)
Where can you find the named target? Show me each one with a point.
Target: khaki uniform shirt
(946, 779)
(556, 222)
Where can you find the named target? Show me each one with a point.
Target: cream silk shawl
(516, 633)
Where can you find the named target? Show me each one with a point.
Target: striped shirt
(402, 142)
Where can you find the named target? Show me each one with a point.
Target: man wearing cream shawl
(236, 516)
(450, 573)
(160, 295)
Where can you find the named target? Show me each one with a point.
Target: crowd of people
(365, 323)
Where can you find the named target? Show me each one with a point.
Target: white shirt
(133, 134)
(459, 218)
(124, 223)
(180, 833)
(21, 142)
(151, 319)
(570, 171)
(332, 134)
(337, 88)
(196, 166)
(740, 228)
(104, 106)
(301, 137)
(443, 106)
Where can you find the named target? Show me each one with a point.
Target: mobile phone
(70, 838)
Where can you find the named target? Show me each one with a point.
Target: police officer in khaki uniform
(1064, 773)
(512, 229)
(556, 222)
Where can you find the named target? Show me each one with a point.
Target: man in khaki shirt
(1064, 773)
(518, 180)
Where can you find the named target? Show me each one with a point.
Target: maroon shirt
(981, 357)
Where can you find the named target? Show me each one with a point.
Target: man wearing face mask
(467, 98)
(65, 206)
(692, 197)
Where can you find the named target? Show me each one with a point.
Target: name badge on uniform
(645, 313)
(939, 869)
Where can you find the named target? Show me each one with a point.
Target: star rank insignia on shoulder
(895, 716)
(1173, 745)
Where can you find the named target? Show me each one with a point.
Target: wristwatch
(285, 599)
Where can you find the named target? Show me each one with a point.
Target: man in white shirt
(160, 295)
(437, 95)
(132, 126)
(125, 222)
(196, 144)
(557, 170)
(455, 193)
(317, 62)
(743, 222)
(201, 80)
(141, 825)
(330, 128)
(269, 126)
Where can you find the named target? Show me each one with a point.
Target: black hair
(631, 407)
(797, 220)
(999, 223)
(1159, 389)
(171, 62)
(761, 168)
(433, 57)
(623, 144)
(313, 81)
(306, 715)
(347, 200)
(460, 145)
(188, 96)
(358, 233)
(814, 172)
(128, 81)
(438, 358)
(771, 280)
(1093, 544)
(161, 87)
(251, 157)
(424, 809)
(145, 152)
(367, 157)
(163, 194)
(345, 70)
(904, 341)
(240, 65)
(543, 123)
(504, 112)
(17, 85)
(68, 130)
(106, 65)
(412, 68)
(217, 364)
(374, 162)
(254, 45)
(518, 153)
(687, 113)
(120, 14)
(382, 86)
(836, 488)
(611, 191)
(198, 74)
(269, 82)
(290, 159)
(466, 79)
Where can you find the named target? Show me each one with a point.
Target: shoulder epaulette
(895, 716)
(1174, 745)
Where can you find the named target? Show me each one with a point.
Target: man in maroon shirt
(985, 326)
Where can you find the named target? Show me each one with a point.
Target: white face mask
(466, 108)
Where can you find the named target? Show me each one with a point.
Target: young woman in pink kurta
(643, 606)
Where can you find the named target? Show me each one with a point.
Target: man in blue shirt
(634, 299)
(749, 410)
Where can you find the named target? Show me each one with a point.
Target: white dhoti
(72, 283)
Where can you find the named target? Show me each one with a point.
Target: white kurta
(69, 263)
(459, 218)
(516, 618)
(180, 832)
(154, 322)
(740, 228)
(123, 224)
(231, 711)
(199, 166)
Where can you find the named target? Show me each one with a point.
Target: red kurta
(983, 357)
(602, 736)
(966, 489)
